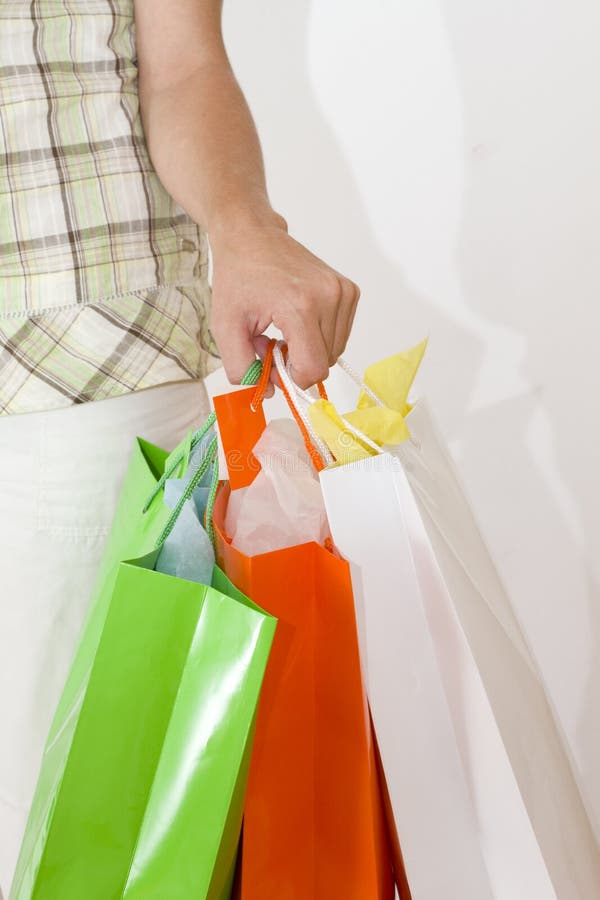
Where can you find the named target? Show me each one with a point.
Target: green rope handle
(209, 460)
(210, 505)
(196, 438)
(210, 457)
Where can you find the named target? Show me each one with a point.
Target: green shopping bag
(142, 782)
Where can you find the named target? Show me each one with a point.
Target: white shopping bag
(483, 796)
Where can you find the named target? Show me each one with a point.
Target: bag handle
(315, 445)
(297, 399)
(208, 460)
(253, 375)
(347, 368)
(258, 374)
(302, 399)
(255, 404)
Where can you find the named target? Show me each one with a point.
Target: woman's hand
(263, 276)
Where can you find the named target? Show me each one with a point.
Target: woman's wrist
(236, 221)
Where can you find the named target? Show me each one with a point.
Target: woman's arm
(203, 143)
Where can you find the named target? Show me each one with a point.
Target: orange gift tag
(240, 427)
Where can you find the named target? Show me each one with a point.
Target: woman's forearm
(205, 148)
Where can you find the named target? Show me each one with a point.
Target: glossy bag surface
(484, 786)
(313, 820)
(142, 781)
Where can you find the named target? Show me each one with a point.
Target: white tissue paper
(284, 504)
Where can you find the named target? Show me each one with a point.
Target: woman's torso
(83, 214)
(84, 218)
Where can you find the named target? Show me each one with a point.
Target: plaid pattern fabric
(103, 276)
(127, 343)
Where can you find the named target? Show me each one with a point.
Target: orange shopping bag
(313, 821)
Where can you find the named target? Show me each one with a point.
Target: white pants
(60, 476)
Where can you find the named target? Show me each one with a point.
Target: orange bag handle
(259, 394)
(263, 381)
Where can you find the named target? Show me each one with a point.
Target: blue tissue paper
(187, 551)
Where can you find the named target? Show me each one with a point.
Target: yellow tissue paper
(343, 444)
(381, 424)
(390, 380)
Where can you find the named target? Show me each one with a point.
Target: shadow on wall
(313, 183)
(529, 260)
(443, 155)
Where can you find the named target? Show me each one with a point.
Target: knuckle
(351, 291)
(331, 287)
(304, 303)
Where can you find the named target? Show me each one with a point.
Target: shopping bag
(484, 787)
(313, 819)
(142, 780)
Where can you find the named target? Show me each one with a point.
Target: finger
(330, 297)
(307, 352)
(354, 308)
(236, 348)
(345, 317)
(327, 326)
(261, 343)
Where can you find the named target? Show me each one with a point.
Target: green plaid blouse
(103, 277)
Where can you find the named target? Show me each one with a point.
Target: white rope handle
(302, 399)
(347, 368)
(309, 397)
(360, 435)
(353, 374)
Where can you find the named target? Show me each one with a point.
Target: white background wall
(446, 155)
